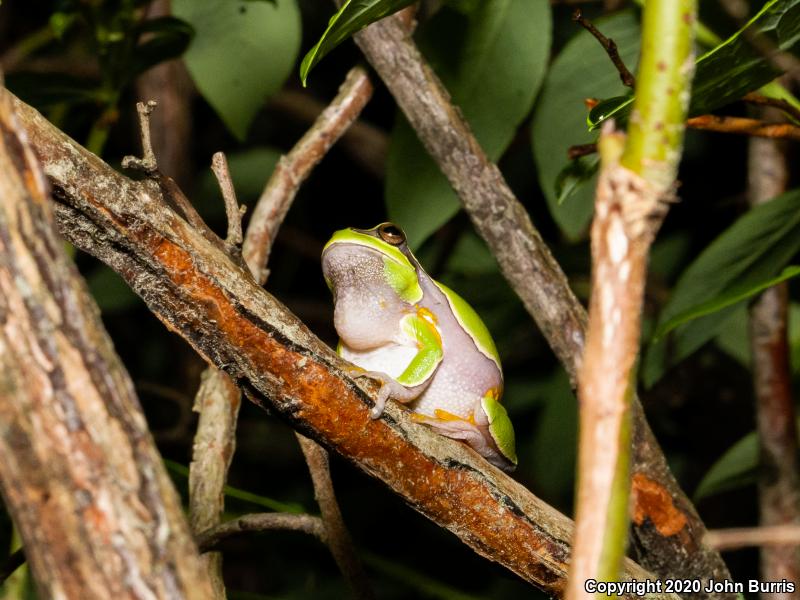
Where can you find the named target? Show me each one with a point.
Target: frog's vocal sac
(423, 343)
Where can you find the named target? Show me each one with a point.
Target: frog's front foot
(390, 388)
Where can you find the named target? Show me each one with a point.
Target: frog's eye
(391, 234)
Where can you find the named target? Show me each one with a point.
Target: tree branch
(292, 169)
(779, 482)
(609, 46)
(209, 539)
(774, 536)
(81, 476)
(535, 276)
(198, 292)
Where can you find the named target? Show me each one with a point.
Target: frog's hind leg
(459, 428)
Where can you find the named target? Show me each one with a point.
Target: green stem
(655, 133)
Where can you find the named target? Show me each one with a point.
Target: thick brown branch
(209, 539)
(779, 482)
(197, 291)
(528, 265)
(293, 168)
(80, 474)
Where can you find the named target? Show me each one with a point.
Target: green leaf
(732, 296)
(582, 70)
(736, 468)
(110, 291)
(177, 468)
(171, 37)
(750, 252)
(726, 73)
(242, 53)
(351, 18)
(492, 62)
(576, 173)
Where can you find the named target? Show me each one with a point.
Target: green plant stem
(655, 133)
(637, 176)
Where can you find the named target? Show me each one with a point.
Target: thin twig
(610, 47)
(336, 533)
(779, 483)
(147, 164)
(743, 537)
(14, 561)
(745, 126)
(780, 103)
(295, 167)
(581, 150)
(719, 124)
(219, 165)
(211, 538)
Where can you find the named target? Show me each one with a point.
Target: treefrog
(419, 339)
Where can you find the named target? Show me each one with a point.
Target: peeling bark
(80, 474)
(214, 303)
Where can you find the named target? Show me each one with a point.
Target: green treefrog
(419, 339)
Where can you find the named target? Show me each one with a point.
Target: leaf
(172, 36)
(736, 468)
(110, 291)
(732, 296)
(182, 471)
(492, 62)
(241, 53)
(351, 18)
(736, 66)
(576, 173)
(754, 249)
(582, 70)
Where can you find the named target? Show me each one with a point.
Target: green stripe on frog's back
(471, 323)
(398, 270)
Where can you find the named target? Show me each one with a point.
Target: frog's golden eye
(391, 234)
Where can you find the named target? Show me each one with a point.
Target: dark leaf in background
(351, 18)
(753, 250)
(170, 38)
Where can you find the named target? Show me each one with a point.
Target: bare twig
(211, 538)
(296, 166)
(336, 534)
(219, 164)
(609, 46)
(744, 126)
(581, 150)
(742, 537)
(761, 100)
(779, 482)
(365, 143)
(217, 402)
(147, 164)
(528, 265)
(720, 124)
